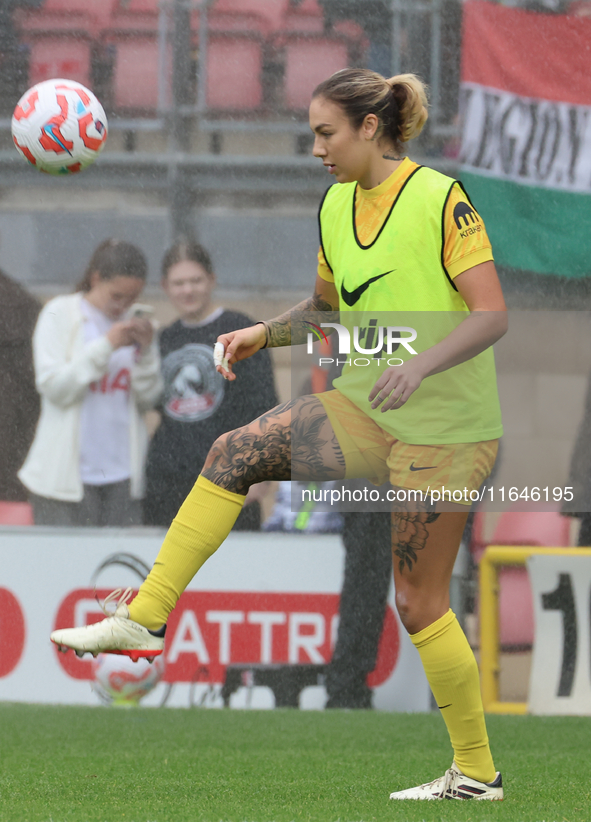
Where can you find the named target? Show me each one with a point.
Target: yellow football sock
(203, 522)
(452, 673)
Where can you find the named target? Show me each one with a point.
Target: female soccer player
(395, 237)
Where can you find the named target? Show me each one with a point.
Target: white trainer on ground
(117, 634)
(454, 785)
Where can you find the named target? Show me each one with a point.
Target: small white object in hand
(218, 355)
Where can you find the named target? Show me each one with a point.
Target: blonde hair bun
(399, 103)
(410, 94)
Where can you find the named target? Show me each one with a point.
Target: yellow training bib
(395, 282)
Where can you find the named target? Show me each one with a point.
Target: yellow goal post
(493, 558)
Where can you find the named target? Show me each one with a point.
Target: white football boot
(117, 634)
(454, 785)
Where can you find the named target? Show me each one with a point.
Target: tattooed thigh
(293, 441)
(410, 531)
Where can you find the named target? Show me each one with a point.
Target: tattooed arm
(284, 331)
(287, 329)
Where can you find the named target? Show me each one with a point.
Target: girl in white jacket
(97, 369)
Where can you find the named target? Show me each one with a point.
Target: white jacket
(65, 366)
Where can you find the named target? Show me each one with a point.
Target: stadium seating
(138, 6)
(100, 9)
(59, 56)
(86, 16)
(15, 513)
(234, 63)
(523, 527)
(77, 38)
(136, 73)
(311, 53)
(131, 39)
(270, 13)
(532, 527)
(59, 36)
(234, 66)
(135, 16)
(308, 61)
(234, 58)
(306, 17)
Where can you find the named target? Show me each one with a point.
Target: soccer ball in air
(120, 681)
(59, 126)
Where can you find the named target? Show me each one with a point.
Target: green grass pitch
(61, 764)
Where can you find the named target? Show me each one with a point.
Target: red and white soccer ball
(119, 680)
(59, 126)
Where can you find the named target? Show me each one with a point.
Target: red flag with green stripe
(526, 134)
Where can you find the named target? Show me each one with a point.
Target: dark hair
(114, 258)
(400, 103)
(184, 250)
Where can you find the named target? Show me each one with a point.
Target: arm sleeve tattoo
(289, 329)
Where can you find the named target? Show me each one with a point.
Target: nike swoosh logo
(351, 297)
(422, 468)
(441, 707)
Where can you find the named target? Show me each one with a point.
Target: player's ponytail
(400, 103)
(410, 97)
(114, 258)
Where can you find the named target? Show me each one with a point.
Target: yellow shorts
(373, 454)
